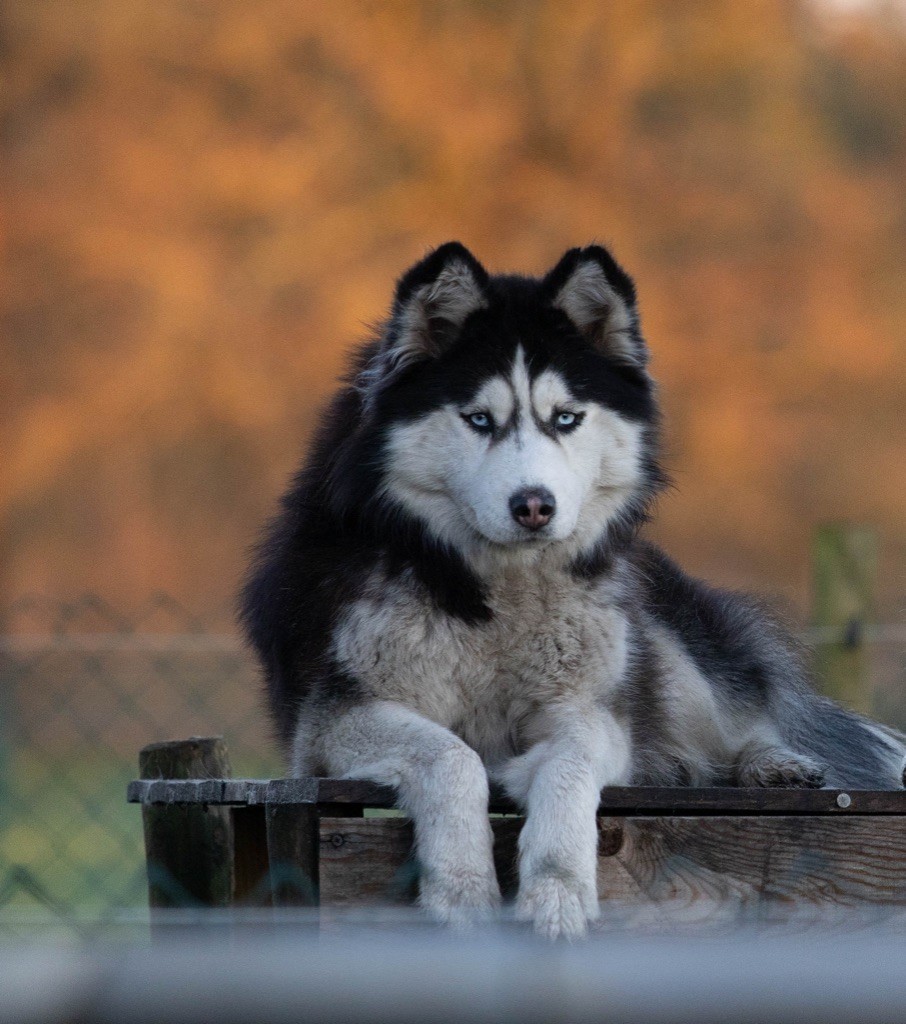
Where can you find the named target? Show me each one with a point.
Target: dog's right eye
(479, 421)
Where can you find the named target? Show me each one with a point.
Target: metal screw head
(843, 800)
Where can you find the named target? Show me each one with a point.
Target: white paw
(558, 906)
(461, 901)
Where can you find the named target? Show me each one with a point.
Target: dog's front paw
(461, 901)
(781, 769)
(558, 905)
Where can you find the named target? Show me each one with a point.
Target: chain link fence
(83, 688)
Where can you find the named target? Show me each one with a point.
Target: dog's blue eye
(480, 421)
(566, 420)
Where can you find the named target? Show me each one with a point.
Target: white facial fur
(460, 481)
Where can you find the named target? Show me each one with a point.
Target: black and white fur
(454, 589)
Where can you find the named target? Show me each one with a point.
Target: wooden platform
(697, 852)
(352, 795)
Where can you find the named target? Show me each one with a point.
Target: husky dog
(454, 589)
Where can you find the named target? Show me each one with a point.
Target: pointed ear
(433, 300)
(598, 296)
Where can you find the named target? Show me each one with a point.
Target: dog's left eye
(566, 421)
(480, 421)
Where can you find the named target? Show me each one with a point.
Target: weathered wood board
(753, 870)
(739, 868)
(349, 796)
(666, 856)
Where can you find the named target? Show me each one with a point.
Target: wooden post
(845, 563)
(189, 849)
(294, 849)
(6, 734)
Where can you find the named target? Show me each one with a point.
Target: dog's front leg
(442, 785)
(559, 781)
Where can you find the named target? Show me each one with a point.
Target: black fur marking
(708, 622)
(518, 315)
(616, 276)
(613, 332)
(431, 266)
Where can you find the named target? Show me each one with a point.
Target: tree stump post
(189, 849)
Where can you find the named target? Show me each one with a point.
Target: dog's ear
(598, 296)
(433, 300)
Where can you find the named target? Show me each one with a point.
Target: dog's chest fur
(550, 636)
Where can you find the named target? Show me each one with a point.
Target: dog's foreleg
(442, 785)
(559, 780)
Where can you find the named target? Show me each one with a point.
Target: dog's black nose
(533, 508)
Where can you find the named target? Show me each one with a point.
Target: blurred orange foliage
(206, 202)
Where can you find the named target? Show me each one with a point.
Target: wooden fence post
(844, 564)
(293, 845)
(189, 849)
(6, 743)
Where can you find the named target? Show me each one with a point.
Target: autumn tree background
(206, 202)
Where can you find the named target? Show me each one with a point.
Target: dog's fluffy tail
(857, 753)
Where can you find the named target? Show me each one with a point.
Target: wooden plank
(845, 567)
(632, 800)
(366, 860)
(628, 800)
(370, 860)
(293, 848)
(715, 870)
(245, 791)
(188, 848)
(653, 871)
(330, 791)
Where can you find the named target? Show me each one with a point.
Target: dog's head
(510, 414)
